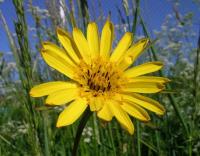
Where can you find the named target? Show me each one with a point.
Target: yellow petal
(106, 39)
(52, 48)
(125, 63)
(105, 113)
(149, 79)
(82, 45)
(50, 87)
(122, 46)
(62, 96)
(145, 102)
(59, 63)
(68, 44)
(96, 103)
(144, 87)
(121, 116)
(93, 39)
(72, 112)
(135, 111)
(142, 69)
(133, 53)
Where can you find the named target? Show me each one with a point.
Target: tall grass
(28, 126)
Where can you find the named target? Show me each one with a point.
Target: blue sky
(153, 12)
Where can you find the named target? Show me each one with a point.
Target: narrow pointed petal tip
(144, 102)
(162, 111)
(93, 39)
(143, 69)
(59, 30)
(67, 42)
(31, 93)
(121, 47)
(121, 116)
(58, 61)
(106, 41)
(82, 44)
(136, 111)
(72, 112)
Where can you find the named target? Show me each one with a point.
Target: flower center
(100, 77)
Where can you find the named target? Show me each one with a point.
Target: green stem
(81, 126)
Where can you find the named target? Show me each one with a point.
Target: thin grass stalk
(26, 76)
(138, 138)
(118, 134)
(10, 38)
(10, 145)
(96, 134)
(44, 114)
(21, 75)
(103, 150)
(126, 10)
(196, 74)
(46, 139)
(16, 55)
(111, 139)
(195, 91)
(83, 12)
(72, 17)
(137, 10)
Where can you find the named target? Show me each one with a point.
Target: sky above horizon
(153, 12)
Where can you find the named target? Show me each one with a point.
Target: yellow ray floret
(121, 116)
(133, 53)
(106, 39)
(135, 111)
(93, 39)
(145, 102)
(105, 113)
(122, 46)
(72, 112)
(50, 87)
(58, 62)
(82, 44)
(69, 45)
(62, 96)
(145, 68)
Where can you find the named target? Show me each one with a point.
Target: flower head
(100, 78)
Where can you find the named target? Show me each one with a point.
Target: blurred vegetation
(27, 126)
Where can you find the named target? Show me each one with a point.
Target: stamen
(100, 78)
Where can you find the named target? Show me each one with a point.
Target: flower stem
(81, 126)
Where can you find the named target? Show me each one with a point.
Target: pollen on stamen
(101, 78)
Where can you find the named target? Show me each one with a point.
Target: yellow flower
(100, 78)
